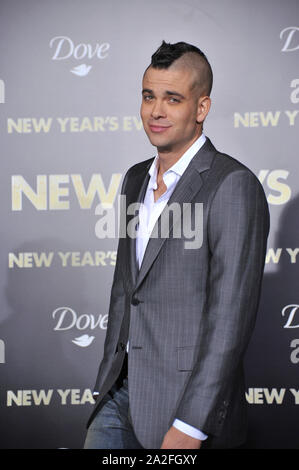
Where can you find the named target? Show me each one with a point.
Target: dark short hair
(168, 53)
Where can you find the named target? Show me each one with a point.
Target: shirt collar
(180, 166)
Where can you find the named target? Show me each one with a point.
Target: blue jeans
(111, 427)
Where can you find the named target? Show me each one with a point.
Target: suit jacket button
(122, 346)
(135, 301)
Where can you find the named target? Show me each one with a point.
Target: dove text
(64, 48)
(67, 318)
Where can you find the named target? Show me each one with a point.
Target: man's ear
(203, 108)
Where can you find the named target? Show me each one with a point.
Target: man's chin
(160, 143)
(164, 149)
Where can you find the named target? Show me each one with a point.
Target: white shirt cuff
(190, 430)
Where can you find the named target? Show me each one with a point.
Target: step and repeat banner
(70, 93)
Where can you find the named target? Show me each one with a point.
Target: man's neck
(168, 158)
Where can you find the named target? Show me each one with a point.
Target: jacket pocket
(186, 356)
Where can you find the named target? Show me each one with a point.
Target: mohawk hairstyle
(168, 53)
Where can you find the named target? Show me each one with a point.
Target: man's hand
(176, 439)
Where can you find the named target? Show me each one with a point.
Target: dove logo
(64, 48)
(67, 319)
(83, 341)
(81, 70)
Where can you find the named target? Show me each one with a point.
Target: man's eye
(147, 97)
(174, 100)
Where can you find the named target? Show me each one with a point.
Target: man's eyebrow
(147, 90)
(175, 93)
(167, 92)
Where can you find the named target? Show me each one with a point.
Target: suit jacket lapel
(186, 189)
(134, 193)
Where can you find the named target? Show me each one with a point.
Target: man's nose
(158, 110)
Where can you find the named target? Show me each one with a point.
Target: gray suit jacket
(189, 313)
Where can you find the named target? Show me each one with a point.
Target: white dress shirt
(148, 215)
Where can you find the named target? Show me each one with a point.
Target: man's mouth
(158, 129)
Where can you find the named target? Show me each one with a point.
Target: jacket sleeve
(116, 312)
(238, 226)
